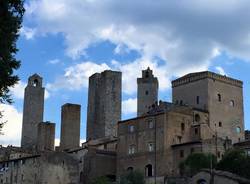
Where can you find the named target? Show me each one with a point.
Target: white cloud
(13, 128)
(53, 61)
(76, 77)
(129, 106)
(27, 32)
(182, 33)
(220, 70)
(18, 91)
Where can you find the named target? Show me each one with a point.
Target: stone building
(206, 115)
(32, 111)
(104, 104)
(46, 136)
(220, 95)
(147, 91)
(70, 126)
(157, 142)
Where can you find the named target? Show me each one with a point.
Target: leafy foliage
(195, 162)
(132, 177)
(11, 15)
(235, 161)
(101, 180)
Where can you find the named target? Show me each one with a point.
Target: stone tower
(220, 95)
(70, 126)
(32, 111)
(104, 104)
(46, 136)
(147, 91)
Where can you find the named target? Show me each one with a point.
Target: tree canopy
(237, 162)
(11, 16)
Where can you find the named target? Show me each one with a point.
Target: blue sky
(67, 41)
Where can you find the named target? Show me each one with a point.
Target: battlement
(192, 77)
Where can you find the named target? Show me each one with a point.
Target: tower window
(196, 131)
(197, 118)
(181, 153)
(149, 170)
(182, 126)
(198, 100)
(220, 124)
(35, 83)
(150, 124)
(181, 102)
(219, 97)
(146, 92)
(131, 149)
(131, 128)
(151, 147)
(232, 103)
(238, 129)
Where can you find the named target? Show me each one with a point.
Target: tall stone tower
(70, 126)
(32, 111)
(104, 104)
(221, 96)
(147, 91)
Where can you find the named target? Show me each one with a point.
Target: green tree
(101, 180)
(195, 162)
(11, 15)
(132, 177)
(235, 161)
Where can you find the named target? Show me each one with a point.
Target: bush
(195, 162)
(235, 161)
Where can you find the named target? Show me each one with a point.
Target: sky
(67, 41)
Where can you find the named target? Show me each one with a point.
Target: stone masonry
(70, 126)
(147, 91)
(46, 136)
(32, 111)
(221, 96)
(104, 104)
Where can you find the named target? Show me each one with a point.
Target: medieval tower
(70, 126)
(104, 104)
(147, 91)
(219, 95)
(32, 111)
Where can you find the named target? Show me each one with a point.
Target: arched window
(201, 181)
(220, 124)
(219, 97)
(232, 103)
(35, 83)
(197, 118)
(130, 169)
(148, 170)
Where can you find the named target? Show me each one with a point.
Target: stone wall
(54, 167)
